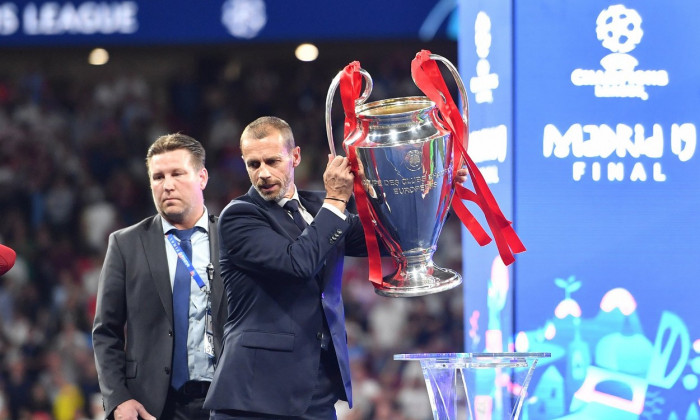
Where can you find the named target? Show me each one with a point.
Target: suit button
(319, 335)
(170, 333)
(167, 370)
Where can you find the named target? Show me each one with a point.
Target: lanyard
(181, 255)
(208, 325)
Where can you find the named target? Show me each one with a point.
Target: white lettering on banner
(621, 83)
(9, 21)
(602, 142)
(616, 171)
(489, 144)
(86, 18)
(683, 141)
(490, 174)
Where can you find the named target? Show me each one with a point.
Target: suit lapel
(154, 247)
(276, 212)
(217, 292)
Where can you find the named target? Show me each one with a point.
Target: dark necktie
(181, 310)
(292, 206)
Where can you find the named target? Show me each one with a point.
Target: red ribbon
(429, 80)
(350, 89)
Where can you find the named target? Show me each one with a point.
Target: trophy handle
(329, 102)
(460, 86)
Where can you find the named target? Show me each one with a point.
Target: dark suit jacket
(135, 298)
(279, 284)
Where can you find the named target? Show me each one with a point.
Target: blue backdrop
(604, 117)
(148, 22)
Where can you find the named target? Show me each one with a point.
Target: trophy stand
(493, 385)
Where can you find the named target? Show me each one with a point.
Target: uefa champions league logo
(620, 31)
(244, 18)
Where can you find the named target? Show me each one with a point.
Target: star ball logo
(620, 31)
(244, 18)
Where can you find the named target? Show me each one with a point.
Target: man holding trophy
(285, 350)
(282, 257)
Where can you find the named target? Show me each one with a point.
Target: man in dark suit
(159, 287)
(285, 350)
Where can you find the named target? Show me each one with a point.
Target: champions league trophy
(402, 152)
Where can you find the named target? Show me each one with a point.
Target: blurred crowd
(72, 170)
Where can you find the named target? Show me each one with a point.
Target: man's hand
(338, 180)
(131, 410)
(461, 175)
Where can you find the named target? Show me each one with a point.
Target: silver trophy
(404, 155)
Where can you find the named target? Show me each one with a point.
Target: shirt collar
(295, 196)
(202, 223)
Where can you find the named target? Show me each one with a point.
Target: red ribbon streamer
(350, 88)
(429, 80)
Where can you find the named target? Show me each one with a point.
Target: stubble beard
(173, 218)
(275, 197)
(172, 215)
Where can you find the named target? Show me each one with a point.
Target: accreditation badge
(209, 334)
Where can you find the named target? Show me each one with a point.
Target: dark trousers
(329, 389)
(185, 405)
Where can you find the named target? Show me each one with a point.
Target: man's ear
(203, 178)
(296, 156)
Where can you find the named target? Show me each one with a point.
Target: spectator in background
(161, 280)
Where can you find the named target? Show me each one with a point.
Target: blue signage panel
(184, 21)
(485, 62)
(606, 200)
(485, 51)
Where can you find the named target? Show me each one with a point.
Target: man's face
(270, 165)
(177, 187)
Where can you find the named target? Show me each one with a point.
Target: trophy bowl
(406, 172)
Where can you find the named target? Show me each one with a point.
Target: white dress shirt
(201, 366)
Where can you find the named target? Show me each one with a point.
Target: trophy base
(418, 282)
